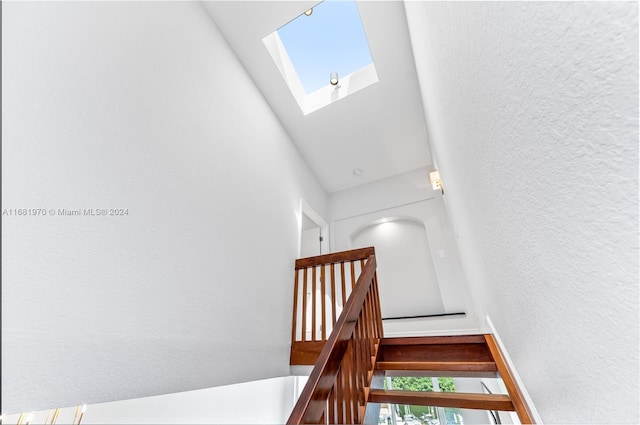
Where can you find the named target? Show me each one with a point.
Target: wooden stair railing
(322, 285)
(351, 363)
(338, 388)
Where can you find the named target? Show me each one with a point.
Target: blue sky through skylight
(331, 39)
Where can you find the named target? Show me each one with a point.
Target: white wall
(408, 281)
(141, 106)
(267, 401)
(532, 110)
(408, 195)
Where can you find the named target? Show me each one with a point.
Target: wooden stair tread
(438, 366)
(443, 399)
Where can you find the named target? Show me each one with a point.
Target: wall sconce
(333, 78)
(436, 183)
(309, 12)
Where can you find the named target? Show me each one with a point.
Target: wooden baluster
(346, 396)
(366, 321)
(356, 383)
(323, 304)
(332, 405)
(378, 311)
(366, 341)
(373, 317)
(371, 329)
(295, 307)
(358, 368)
(348, 385)
(340, 397)
(356, 374)
(374, 312)
(355, 395)
(372, 326)
(344, 289)
(313, 304)
(366, 356)
(333, 296)
(304, 304)
(353, 274)
(344, 374)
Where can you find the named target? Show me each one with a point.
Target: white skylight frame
(324, 96)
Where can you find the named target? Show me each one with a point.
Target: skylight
(327, 39)
(331, 39)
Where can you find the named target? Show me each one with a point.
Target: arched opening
(408, 282)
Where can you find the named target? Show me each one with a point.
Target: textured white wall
(140, 106)
(532, 110)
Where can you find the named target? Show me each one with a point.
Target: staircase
(451, 356)
(347, 381)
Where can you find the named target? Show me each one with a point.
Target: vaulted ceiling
(380, 129)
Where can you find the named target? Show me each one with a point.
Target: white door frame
(317, 219)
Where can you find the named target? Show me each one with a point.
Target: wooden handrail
(338, 386)
(335, 257)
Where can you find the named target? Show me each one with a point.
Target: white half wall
(140, 106)
(532, 111)
(268, 401)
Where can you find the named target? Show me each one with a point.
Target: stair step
(467, 348)
(438, 366)
(443, 399)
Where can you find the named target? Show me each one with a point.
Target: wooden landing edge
(521, 408)
(443, 399)
(305, 353)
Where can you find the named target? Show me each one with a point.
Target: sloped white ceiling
(380, 129)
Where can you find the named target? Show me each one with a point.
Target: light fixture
(436, 183)
(309, 12)
(333, 78)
